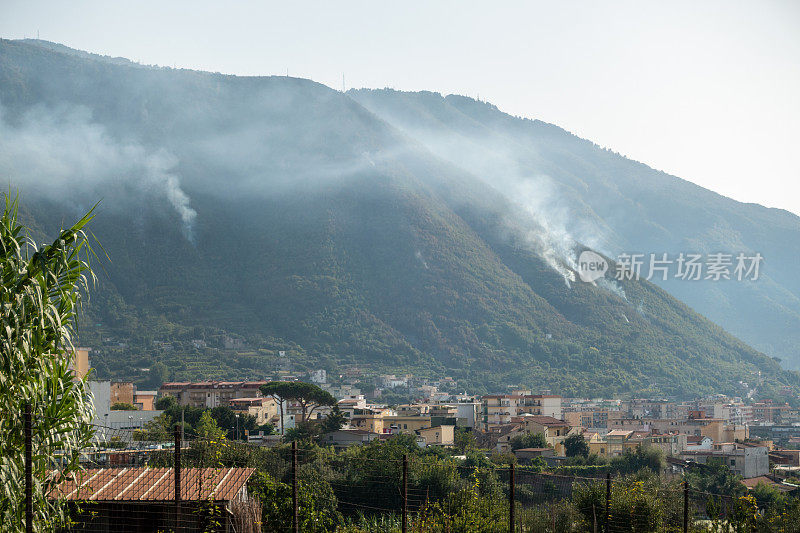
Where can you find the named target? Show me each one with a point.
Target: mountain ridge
(327, 233)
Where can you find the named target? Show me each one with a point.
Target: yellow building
(555, 431)
(264, 409)
(369, 420)
(438, 435)
(407, 424)
(80, 362)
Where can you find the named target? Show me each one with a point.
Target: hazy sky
(709, 91)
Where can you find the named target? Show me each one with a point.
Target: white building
(318, 376)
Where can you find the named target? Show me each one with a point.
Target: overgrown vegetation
(42, 289)
(359, 490)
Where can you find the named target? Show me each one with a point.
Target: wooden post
(405, 494)
(511, 510)
(28, 469)
(295, 513)
(608, 498)
(685, 507)
(178, 443)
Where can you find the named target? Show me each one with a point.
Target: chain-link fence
(204, 482)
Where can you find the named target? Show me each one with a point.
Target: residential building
(498, 409)
(122, 392)
(672, 444)
(526, 455)
(372, 419)
(390, 381)
(716, 429)
(341, 391)
(770, 413)
(80, 362)
(349, 437)
(145, 400)
(648, 408)
(265, 410)
(437, 435)
(746, 461)
(210, 393)
(406, 424)
(555, 431)
(698, 442)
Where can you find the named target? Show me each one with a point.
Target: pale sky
(708, 91)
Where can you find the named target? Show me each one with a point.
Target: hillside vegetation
(248, 216)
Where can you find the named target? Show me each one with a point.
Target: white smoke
(60, 154)
(544, 232)
(421, 259)
(612, 286)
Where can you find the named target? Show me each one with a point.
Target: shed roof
(153, 484)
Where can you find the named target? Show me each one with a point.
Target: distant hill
(249, 216)
(619, 205)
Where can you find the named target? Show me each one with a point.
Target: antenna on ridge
(343, 90)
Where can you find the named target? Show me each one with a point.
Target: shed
(134, 500)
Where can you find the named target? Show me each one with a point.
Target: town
(757, 440)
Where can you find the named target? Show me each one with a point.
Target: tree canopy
(307, 395)
(528, 440)
(575, 445)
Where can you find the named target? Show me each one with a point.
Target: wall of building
(122, 392)
(101, 396)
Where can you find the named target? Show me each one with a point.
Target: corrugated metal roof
(154, 484)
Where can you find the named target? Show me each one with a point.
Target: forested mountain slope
(617, 205)
(285, 216)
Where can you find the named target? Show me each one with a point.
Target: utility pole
(28, 469)
(511, 497)
(295, 514)
(177, 495)
(404, 528)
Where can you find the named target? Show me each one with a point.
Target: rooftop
(153, 484)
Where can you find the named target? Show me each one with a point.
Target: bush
(317, 504)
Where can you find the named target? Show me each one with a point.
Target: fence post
(28, 469)
(405, 493)
(511, 510)
(608, 499)
(295, 514)
(685, 507)
(177, 461)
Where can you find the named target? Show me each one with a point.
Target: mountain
(620, 206)
(248, 216)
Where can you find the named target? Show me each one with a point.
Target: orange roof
(247, 400)
(752, 482)
(153, 484)
(546, 420)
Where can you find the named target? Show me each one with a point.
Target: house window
(405, 426)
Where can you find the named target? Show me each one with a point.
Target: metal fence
(201, 483)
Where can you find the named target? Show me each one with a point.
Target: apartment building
(210, 393)
(123, 392)
(263, 409)
(746, 461)
(80, 362)
(499, 409)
